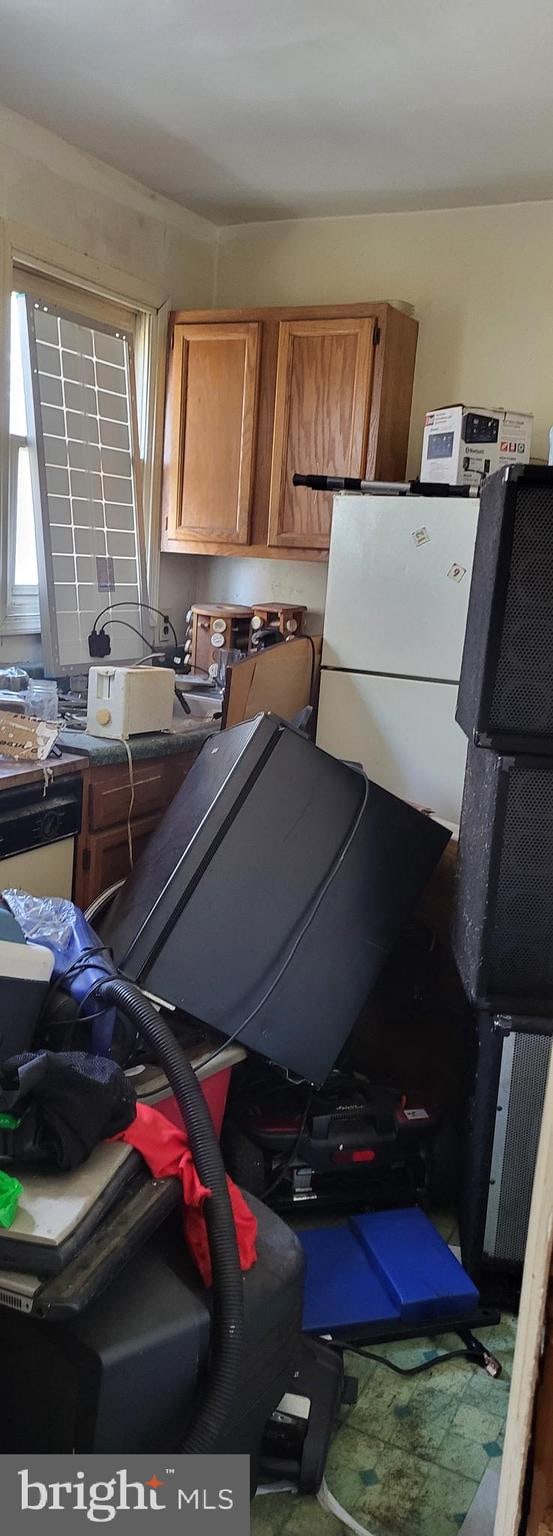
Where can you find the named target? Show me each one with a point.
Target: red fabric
(165, 1149)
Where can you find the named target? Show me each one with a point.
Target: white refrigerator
(396, 609)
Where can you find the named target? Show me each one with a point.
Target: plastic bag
(10, 1194)
(65, 1103)
(80, 960)
(13, 679)
(44, 919)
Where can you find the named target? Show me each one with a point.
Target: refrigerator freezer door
(404, 733)
(398, 584)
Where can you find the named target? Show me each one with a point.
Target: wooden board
(12, 774)
(528, 1349)
(280, 681)
(540, 1518)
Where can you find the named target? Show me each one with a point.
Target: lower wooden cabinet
(102, 854)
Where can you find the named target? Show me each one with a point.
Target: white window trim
(22, 601)
(47, 258)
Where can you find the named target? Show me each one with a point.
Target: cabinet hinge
(86, 859)
(376, 336)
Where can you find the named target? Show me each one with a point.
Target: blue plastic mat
(389, 1265)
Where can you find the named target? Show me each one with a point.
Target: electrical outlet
(165, 628)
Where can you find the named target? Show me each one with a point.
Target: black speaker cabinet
(505, 698)
(509, 1089)
(503, 913)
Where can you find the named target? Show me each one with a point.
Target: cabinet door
(210, 432)
(322, 401)
(102, 853)
(106, 858)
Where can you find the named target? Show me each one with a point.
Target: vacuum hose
(228, 1295)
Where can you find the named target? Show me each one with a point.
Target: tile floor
(408, 1459)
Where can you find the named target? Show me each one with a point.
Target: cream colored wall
(226, 579)
(87, 210)
(480, 280)
(84, 205)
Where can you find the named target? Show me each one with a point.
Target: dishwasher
(38, 827)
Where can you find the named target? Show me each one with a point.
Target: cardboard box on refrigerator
(516, 438)
(462, 444)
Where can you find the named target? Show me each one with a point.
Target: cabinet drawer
(155, 783)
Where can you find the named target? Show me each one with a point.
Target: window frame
(22, 600)
(90, 282)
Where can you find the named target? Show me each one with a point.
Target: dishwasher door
(44, 871)
(38, 827)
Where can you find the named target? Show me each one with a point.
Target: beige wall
(228, 580)
(65, 196)
(480, 280)
(87, 210)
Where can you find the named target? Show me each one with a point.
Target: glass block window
(90, 543)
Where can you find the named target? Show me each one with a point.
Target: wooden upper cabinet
(210, 438)
(322, 401)
(255, 395)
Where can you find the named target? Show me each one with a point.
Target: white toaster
(129, 701)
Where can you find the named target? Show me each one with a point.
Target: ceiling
(268, 109)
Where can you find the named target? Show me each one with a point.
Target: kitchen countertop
(13, 774)
(99, 750)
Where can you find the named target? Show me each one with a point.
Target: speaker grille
(522, 698)
(521, 935)
(524, 1113)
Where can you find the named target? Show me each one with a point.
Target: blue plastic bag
(80, 959)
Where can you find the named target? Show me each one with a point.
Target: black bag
(66, 1102)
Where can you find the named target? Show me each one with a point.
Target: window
(75, 467)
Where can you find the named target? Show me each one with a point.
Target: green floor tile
(450, 1379)
(416, 1425)
(270, 1512)
(308, 1519)
(412, 1497)
(477, 1424)
(481, 1390)
(381, 1396)
(351, 1456)
(457, 1454)
(285, 1514)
